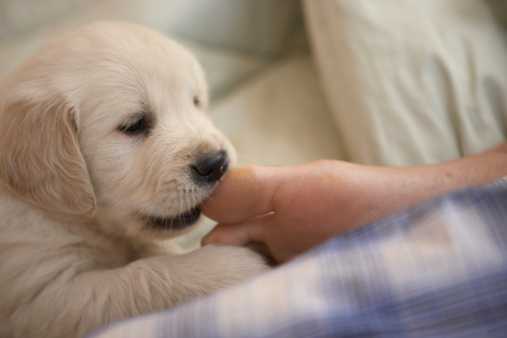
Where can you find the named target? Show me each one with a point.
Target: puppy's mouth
(179, 222)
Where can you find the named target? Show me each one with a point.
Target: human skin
(282, 212)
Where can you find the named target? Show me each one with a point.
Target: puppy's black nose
(209, 168)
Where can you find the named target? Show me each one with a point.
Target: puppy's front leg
(194, 274)
(92, 299)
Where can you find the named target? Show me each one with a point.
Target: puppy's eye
(197, 101)
(136, 128)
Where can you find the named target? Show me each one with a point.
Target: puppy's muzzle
(209, 168)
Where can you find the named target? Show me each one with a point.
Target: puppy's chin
(172, 223)
(122, 223)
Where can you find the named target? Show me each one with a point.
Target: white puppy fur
(106, 149)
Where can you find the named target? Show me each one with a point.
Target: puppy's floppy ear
(40, 159)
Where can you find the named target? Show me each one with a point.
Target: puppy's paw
(224, 266)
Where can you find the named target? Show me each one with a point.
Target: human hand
(282, 212)
(278, 212)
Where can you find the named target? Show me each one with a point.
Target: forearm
(474, 170)
(400, 188)
(462, 173)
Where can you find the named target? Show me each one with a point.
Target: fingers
(241, 234)
(226, 234)
(250, 234)
(242, 194)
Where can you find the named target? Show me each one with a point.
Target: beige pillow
(409, 81)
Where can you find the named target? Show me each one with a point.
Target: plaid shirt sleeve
(436, 270)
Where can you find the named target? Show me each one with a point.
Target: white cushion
(279, 117)
(411, 82)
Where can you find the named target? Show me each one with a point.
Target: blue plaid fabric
(436, 270)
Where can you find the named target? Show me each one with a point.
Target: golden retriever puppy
(105, 149)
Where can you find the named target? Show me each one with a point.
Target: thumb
(242, 194)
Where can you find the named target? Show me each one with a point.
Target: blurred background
(264, 88)
(392, 82)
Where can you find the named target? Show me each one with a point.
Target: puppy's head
(110, 121)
